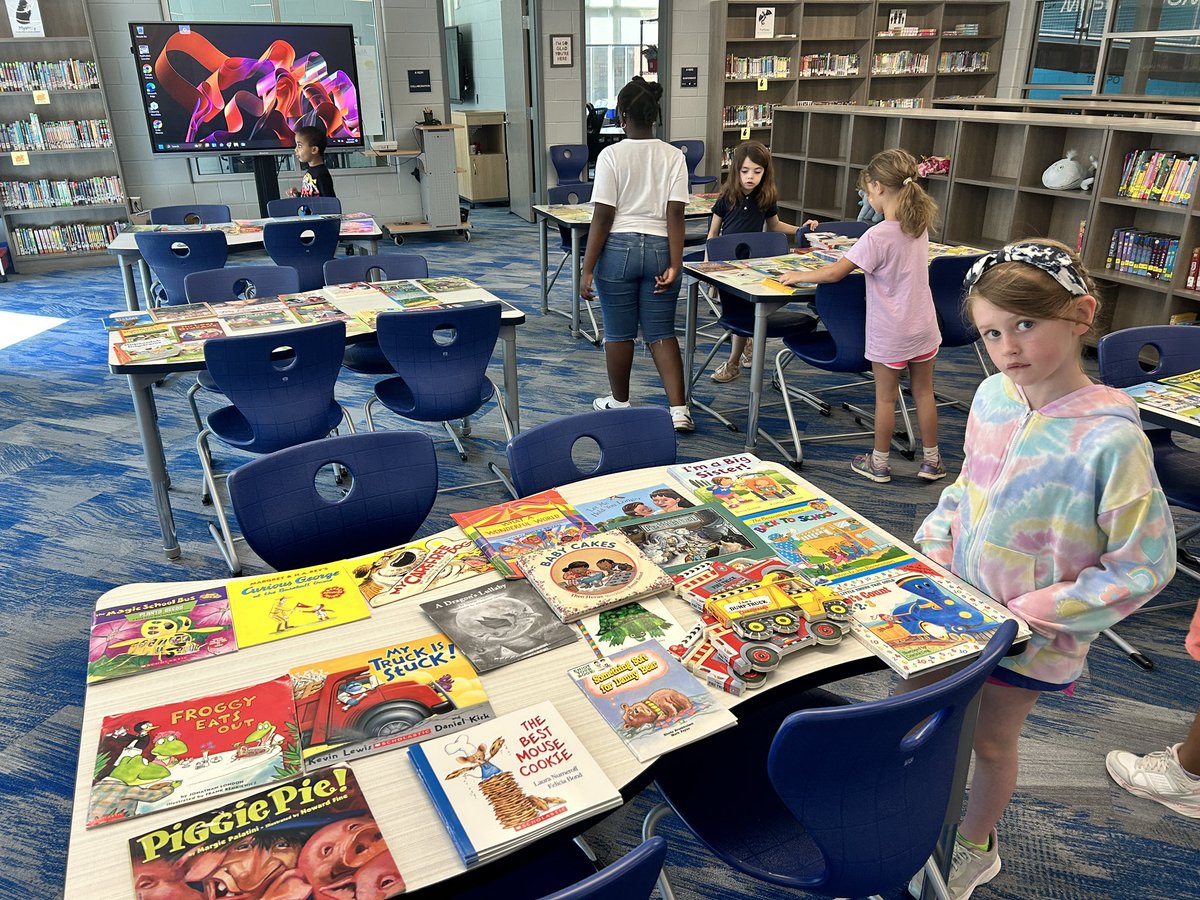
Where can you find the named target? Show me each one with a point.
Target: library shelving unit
(994, 193)
(59, 168)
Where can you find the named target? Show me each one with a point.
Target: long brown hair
(917, 212)
(757, 153)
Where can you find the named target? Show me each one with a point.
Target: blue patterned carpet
(77, 521)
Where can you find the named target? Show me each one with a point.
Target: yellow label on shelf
(41, 98)
(20, 157)
(762, 84)
(746, 133)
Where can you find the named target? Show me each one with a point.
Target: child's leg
(669, 362)
(887, 388)
(618, 360)
(921, 377)
(1189, 750)
(737, 345)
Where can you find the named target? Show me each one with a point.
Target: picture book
(403, 289)
(417, 566)
(754, 491)
(710, 468)
(177, 753)
(593, 574)
(650, 700)
(712, 266)
(353, 290)
(617, 629)
(303, 298)
(446, 284)
(382, 699)
(507, 782)
(145, 350)
(244, 305)
(313, 836)
(260, 318)
(118, 320)
(508, 531)
(1189, 381)
(182, 312)
(499, 623)
(198, 330)
(158, 331)
(677, 540)
(1177, 400)
(283, 604)
(322, 311)
(915, 619)
(151, 634)
(634, 504)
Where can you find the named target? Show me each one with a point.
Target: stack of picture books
(509, 531)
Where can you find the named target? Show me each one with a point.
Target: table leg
(125, 267)
(146, 279)
(142, 389)
(575, 282)
(761, 311)
(544, 255)
(689, 337)
(508, 334)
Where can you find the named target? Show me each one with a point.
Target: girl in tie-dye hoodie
(1057, 512)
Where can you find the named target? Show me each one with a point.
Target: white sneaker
(969, 868)
(609, 403)
(681, 418)
(1156, 776)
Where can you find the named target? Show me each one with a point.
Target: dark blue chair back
(737, 315)
(693, 153)
(845, 229)
(751, 245)
(1119, 353)
(345, 269)
(570, 161)
(570, 194)
(190, 214)
(842, 345)
(287, 246)
(393, 482)
(946, 274)
(171, 263)
(304, 206)
(875, 833)
(277, 402)
(540, 458)
(631, 877)
(438, 381)
(240, 282)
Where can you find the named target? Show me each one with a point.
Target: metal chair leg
(222, 535)
(191, 399)
(653, 817)
(462, 453)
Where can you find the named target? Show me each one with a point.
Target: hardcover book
(382, 699)
(678, 540)
(165, 756)
(499, 623)
(502, 784)
(593, 574)
(283, 604)
(508, 531)
(417, 566)
(650, 700)
(617, 629)
(313, 836)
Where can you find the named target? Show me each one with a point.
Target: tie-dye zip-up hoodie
(1057, 514)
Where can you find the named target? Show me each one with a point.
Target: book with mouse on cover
(507, 782)
(509, 531)
(313, 836)
(418, 566)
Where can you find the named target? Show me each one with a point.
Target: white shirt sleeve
(678, 183)
(604, 185)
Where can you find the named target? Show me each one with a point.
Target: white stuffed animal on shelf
(1068, 174)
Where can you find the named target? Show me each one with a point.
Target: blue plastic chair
(570, 161)
(277, 400)
(849, 803)
(570, 194)
(287, 245)
(393, 482)
(693, 153)
(190, 214)
(946, 274)
(364, 356)
(440, 357)
(846, 228)
(173, 256)
(540, 458)
(282, 207)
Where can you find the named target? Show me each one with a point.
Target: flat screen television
(224, 87)
(458, 74)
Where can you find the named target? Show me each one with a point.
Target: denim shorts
(624, 278)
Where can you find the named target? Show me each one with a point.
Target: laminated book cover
(151, 634)
(283, 604)
(182, 312)
(1180, 400)
(678, 540)
(153, 759)
(593, 574)
(312, 837)
(416, 567)
(616, 629)
(742, 493)
(385, 698)
(508, 531)
(652, 702)
(720, 465)
(504, 783)
(638, 503)
(499, 623)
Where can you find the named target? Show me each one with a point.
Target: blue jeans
(624, 278)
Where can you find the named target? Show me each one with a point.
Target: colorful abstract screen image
(245, 88)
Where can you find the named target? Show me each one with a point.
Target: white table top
(352, 229)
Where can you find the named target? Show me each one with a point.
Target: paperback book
(313, 836)
(177, 753)
(509, 531)
(633, 504)
(416, 567)
(283, 604)
(616, 629)
(737, 464)
(650, 700)
(505, 783)
(677, 540)
(593, 574)
(381, 699)
(749, 492)
(1179, 400)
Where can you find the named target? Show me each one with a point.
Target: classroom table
(143, 376)
(98, 864)
(358, 229)
(577, 218)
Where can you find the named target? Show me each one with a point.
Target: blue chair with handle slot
(570, 161)
(172, 256)
(285, 207)
(304, 245)
(190, 214)
(693, 153)
(365, 357)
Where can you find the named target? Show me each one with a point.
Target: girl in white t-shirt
(902, 327)
(635, 249)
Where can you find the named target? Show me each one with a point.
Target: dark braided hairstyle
(639, 101)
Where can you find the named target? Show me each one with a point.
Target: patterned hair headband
(1054, 262)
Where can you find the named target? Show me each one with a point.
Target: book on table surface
(313, 836)
(680, 539)
(164, 631)
(146, 350)
(499, 785)
(422, 565)
(614, 630)
(637, 503)
(499, 623)
(198, 330)
(593, 574)
(182, 312)
(283, 604)
(761, 488)
(720, 465)
(153, 759)
(508, 531)
(122, 319)
(1179, 399)
(1186, 381)
(382, 699)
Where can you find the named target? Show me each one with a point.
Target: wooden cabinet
(482, 158)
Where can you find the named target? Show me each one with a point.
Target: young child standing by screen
(1057, 512)
(635, 249)
(902, 327)
(310, 151)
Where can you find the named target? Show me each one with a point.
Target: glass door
(1066, 48)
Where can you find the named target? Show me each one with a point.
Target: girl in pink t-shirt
(902, 327)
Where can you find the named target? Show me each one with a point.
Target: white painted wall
(689, 47)
(480, 22)
(562, 89)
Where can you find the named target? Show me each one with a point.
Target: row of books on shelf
(817, 65)
(1145, 254)
(1158, 176)
(67, 134)
(963, 61)
(99, 189)
(898, 103)
(49, 75)
(755, 115)
(1192, 282)
(75, 237)
(965, 29)
(908, 31)
(758, 67)
(902, 62)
